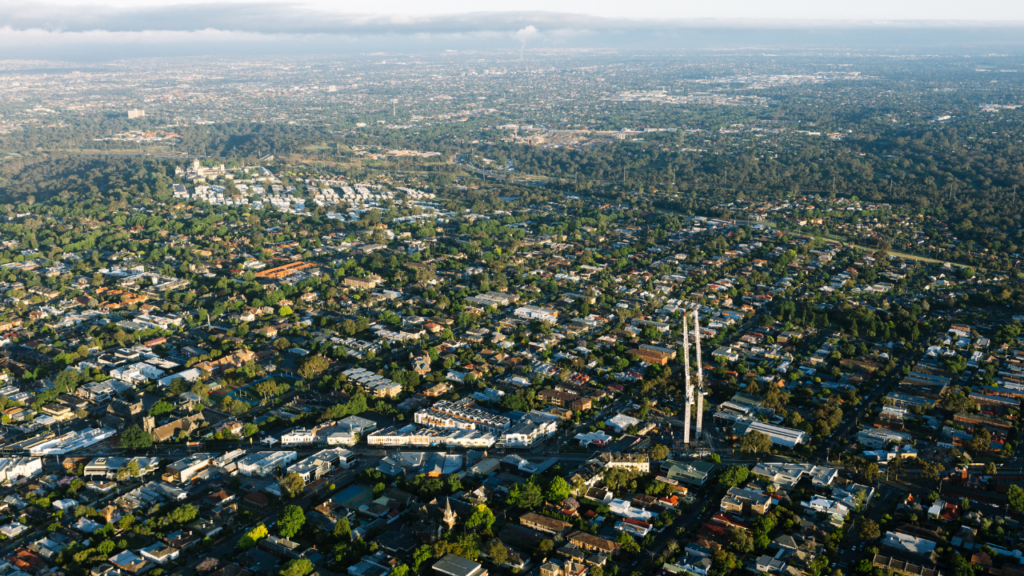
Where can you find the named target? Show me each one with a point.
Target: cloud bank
(96, 32)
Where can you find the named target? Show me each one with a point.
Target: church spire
(449, 517)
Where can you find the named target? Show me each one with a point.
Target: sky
(114, 29)
(869, 10)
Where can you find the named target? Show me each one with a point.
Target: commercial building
(322, 462)
(72, 441)
(452, 565)
(107, 466)
(347, 431)
(185, 469)
(694, 473)
(299, 437)
(265, 463)
(878, 438)
(496, 299)
(433, 464)
(537, 313)
(620, 422)
(780, 435)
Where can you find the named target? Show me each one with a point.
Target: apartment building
(411, 435)
(637, 462)
(462, 415)
(592, 543)
(742, 500)
(346, 431)
(653, 354)
(12, 469)
(565, 399)
(529, 431)
(545, 524)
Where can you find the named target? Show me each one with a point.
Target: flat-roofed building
(881, 437)
(789, 474)
(12, 469)
(780, 435)
(653, 354)
(636, 462)
(694, 473)
(462, 415)
(319, 464)
(183, 470)
(537, 313)
(452, 565)
(265, 463)
(298, 437)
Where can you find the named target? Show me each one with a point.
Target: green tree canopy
(290, 520)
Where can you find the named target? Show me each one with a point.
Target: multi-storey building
(637, 462)
(412, 436)
(462, 415)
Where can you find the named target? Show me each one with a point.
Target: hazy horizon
(71, 30)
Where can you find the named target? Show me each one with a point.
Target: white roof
(622, 421)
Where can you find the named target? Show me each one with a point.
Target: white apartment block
(462, 416)
(138, 373)
(529, 432)
(13, 468)
(412, 436)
